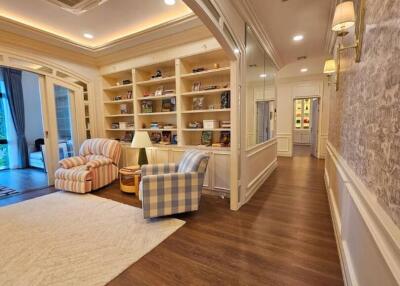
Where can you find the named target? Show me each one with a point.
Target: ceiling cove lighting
(263, 75)
(298, 38)
(169, 2)
(304, 70)
(88, 35)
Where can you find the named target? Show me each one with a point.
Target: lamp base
(142, 160)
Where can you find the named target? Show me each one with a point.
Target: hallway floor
(283, 236)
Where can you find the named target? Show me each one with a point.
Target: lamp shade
(141, 140)
(344, 16)
(330, 66)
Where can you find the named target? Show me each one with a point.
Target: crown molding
(246, 10)
(169, 27)
(169, 34)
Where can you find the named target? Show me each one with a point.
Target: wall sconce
(330, 69)
(344, 19)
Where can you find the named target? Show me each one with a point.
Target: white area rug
(72, 239)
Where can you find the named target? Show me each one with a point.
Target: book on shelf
(168, 105)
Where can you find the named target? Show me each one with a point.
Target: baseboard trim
(384, 232)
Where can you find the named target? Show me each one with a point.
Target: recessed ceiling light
(170, 2)
(298, 38)
(88, 36)
(263, 75)
(304, 70)
(236, 51)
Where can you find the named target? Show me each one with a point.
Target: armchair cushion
(158, 169)
(170, 193)
(71, 162)
(78, 173)
(192, 161)
(99, 162)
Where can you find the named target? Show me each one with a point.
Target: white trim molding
(368, 239)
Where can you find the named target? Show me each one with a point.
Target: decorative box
(210, 124)
(123, 125)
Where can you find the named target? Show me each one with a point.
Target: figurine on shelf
(159, 91)
(195, 124)
(225, 138)
(174, 139)
(196, 86)
(200, 69)
(155, 137)
(158, 74)
(226, 99)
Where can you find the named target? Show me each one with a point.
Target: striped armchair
(95, 167)
(173, 188)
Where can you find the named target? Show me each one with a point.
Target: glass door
(65, 136)
(65, 121)
(3, 136)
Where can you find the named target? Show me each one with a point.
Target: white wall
(290, 88)
(32, 107)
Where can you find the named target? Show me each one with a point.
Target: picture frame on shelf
(225, 138)
(198, 103)
(226, 99)
(206, 138)
(155, 137)
(147, 106)
(165, 138)
(123, 108)
(159, 91)
(168, 105)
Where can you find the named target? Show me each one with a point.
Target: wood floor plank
(283, 236)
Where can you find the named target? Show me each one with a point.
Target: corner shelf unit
(188, 90)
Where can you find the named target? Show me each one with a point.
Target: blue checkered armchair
(168, 189)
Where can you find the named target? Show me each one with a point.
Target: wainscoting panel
(367, 238)
(284, 144)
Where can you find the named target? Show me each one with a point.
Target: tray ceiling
(107, 20)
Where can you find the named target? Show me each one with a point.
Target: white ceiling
(113, 20)
(282, 20)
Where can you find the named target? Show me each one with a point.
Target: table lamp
(141, 140)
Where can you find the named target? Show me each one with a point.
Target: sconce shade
(330, 66)
(141, 140)
(344, 16)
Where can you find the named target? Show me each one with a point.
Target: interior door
(65, 130)
(314, 127)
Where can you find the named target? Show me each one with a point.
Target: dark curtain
(13, 83)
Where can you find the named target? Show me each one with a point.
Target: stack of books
(226, 124)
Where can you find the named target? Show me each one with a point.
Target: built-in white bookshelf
(177, 94)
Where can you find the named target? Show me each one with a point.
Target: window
(3, 132)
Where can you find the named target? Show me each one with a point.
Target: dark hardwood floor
(283, 236)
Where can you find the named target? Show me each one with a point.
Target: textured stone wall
(365, 112)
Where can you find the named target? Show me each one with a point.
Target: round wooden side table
(129, 179)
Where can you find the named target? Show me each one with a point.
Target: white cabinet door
(222, 168)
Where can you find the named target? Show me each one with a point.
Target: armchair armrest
(158, 169)
(98, 162)
(71, 162)
(171, 193)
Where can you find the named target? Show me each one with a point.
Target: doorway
(22, 164)
(38, 127)
(305, 126)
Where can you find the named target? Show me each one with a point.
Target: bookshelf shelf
(157, 113)
(202, 129)
(119, 115)
(118, 101)
(156, 97)
(118, 129)
(207, 73)
(151, 82)
(119, 87)
(205, 92)
(206, 111)
(156, 129)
